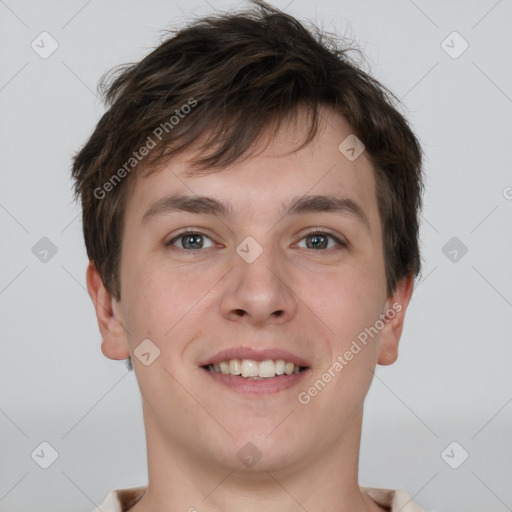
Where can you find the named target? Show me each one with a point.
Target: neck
(325, 480)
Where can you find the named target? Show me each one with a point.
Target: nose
(259, 293)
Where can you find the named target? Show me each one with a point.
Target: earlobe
(110, 321)
(395, 315)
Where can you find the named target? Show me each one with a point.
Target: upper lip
(254, 354)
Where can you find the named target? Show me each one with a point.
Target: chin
(263, 449)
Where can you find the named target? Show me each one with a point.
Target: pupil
(195, 237)
(316, 238)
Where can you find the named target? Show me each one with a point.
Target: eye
(192, 240)
(319, 240)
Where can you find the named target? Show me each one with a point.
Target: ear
(396, 306)
(109, 315)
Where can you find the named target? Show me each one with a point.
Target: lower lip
(257, 387)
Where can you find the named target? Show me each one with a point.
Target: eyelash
(191, 231)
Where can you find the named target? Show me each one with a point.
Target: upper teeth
(250, 368)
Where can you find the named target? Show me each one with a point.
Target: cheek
(348, 301)
(162, 301)
(350, 306)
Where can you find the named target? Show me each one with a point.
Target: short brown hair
(227, 79)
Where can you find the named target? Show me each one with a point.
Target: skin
(189, 304)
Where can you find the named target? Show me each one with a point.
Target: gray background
(452, 381)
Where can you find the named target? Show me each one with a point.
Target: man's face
(256, 279)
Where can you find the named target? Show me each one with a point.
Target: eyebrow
(298, 206)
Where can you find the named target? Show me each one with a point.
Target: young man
(250, 207)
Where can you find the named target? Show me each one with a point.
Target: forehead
(272, 180)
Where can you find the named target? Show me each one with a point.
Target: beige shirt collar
(121, 500)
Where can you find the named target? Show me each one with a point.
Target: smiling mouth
(255, 370)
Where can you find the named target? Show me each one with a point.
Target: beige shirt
(121, 500)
